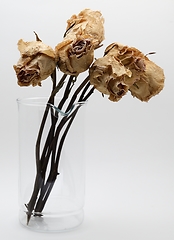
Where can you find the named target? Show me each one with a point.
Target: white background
(129, 144)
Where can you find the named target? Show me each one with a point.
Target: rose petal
(34, 47)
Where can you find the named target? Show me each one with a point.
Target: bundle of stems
(48, 158)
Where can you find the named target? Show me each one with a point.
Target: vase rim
(32, 101)
(39, 101)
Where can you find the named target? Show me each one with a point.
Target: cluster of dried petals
(108, 76)
(37, 62)
(148, 77)
(122, 68)
(74, 56)
(87, 24)
(145, 78)
(130, 57)
(150, 84)
(84, 34)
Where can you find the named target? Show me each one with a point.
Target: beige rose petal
(34, 47)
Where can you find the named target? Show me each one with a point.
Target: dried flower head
(83, 35)
(87, 24)
(145, 78)
(74, 56)
(37, 62)
(108, 76)
(148, 78)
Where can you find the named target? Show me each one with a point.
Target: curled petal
(130, 57)
(32, 48)
(117, 88)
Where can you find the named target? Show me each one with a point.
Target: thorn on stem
(37, 37)
(28, 217)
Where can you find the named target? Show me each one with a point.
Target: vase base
(53, 223)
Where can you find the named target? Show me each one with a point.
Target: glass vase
(51, 165)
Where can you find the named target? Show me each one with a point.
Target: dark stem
(48, 150)
(82, 85)
(46, 190)
(39, 178)
(43, 187)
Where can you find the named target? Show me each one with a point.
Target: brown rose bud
(108, 76)
(87, 24)
(150, 84)
(74, 56)
(37, 62)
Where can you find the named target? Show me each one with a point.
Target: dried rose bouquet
(122, 69)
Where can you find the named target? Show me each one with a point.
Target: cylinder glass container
(51, 165)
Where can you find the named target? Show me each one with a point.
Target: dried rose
(84, 33)
(146, 78)
(75, 56)
(37, 62)
(108, 76)
(87, 24)
(150, 84)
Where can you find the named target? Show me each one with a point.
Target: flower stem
(53, 145)
(39, 176)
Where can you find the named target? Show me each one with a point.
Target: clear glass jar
(43, 158)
